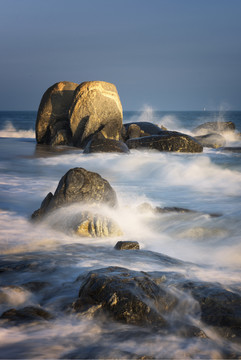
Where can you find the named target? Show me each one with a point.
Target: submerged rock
(231, 149)
(146, 207)
(78, 185)
(26, 314)
(127, 245)
(211, 140)
(96, 108)
(100, 144)
(52, 124)
(125, 295)
(167, 141)
(214, 127)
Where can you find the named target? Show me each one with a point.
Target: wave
(9, 131)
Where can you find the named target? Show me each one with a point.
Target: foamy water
(208, 239)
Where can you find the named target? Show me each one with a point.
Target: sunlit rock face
(52, 124)
(96, 108)
(96, 225)
(78, 186)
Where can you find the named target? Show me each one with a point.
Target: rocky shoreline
(89, 116)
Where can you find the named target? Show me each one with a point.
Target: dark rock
(35, 286)
(125, 295)
(219, 307)
(110, 351)
(127, 245)
(211, 140)
(214, 127)
(100, 144)
(52, 124)
(96, 108)
(78, 185)
(26, 314)
(146, 127)
(167, 141)
(236, 149)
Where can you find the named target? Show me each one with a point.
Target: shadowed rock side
(78, 185)
(214, 127)
(26, 314)
(167, 141)
(96, 108)
(140, 129)
(52, 124)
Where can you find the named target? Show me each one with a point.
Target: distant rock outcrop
(211, 140)
(214, 127)
(96, 107)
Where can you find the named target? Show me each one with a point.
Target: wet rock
(95, 225)
(78, 186)
(140, 129)
(26, 314)
(100, 144)
(52, 124)
(167, 141)
(127, 245)
(214, 127)
(127, 296)
(36, 286)
(96, 108)
(231, 149)
(211, 140)
(219, 308)
(94, 351)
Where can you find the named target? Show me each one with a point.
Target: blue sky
(168, 54)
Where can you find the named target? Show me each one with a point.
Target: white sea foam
(9, 131)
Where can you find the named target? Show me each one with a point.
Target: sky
(165, 54)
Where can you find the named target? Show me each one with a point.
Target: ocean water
(208, 183)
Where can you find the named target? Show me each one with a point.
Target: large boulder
(125, 295)
(96, 108)
(52, 124)
(167, 141)
(214, 127)
(78, 186)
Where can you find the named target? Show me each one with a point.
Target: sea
(208, 183)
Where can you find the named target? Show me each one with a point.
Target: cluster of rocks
(166, 302)
(90, 116)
